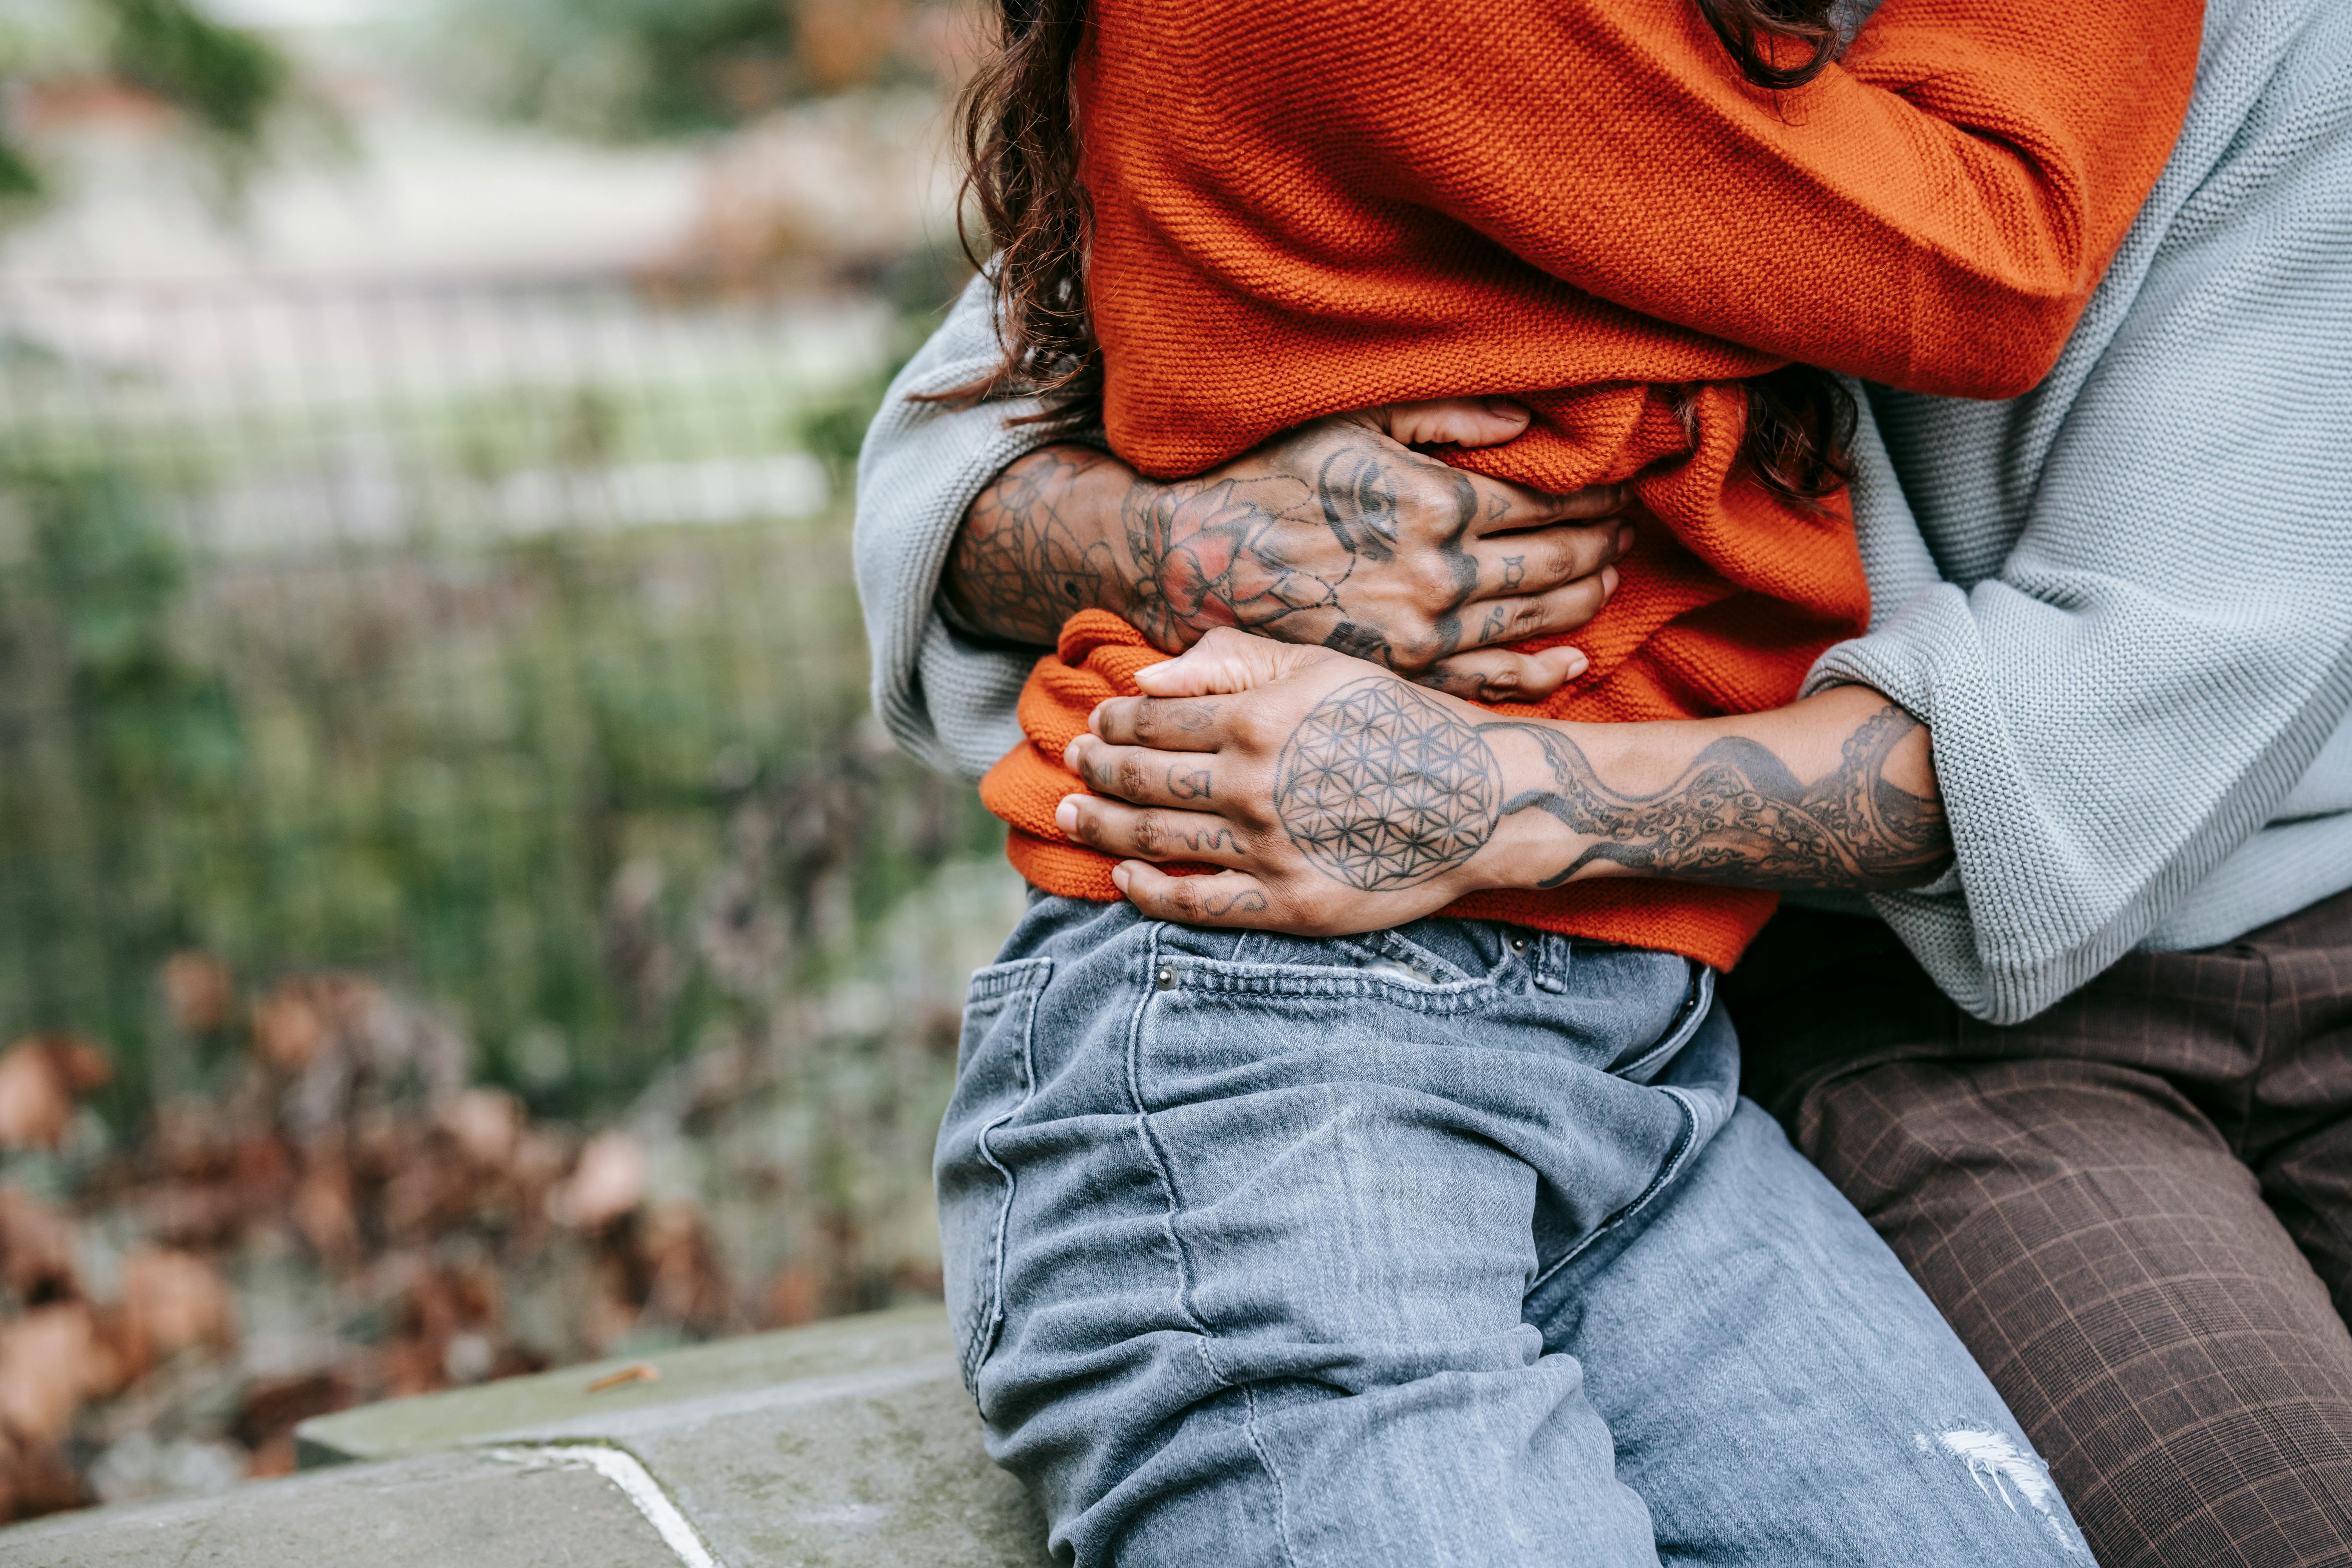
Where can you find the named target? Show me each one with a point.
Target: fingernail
(1625, 539)
(1066, 816)
(1608, 580)
(1577, 663)
(1119, 878)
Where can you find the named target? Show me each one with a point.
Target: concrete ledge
(842, 1445)
(428, 1512)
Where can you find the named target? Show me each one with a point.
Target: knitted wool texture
(1340, 206)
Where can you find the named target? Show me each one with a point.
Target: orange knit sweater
(1304, 206)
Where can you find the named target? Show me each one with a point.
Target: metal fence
(497, 641)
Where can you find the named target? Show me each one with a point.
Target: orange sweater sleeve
(1933, 212)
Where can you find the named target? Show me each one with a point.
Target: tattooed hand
(1339, 799)
(1335, 534)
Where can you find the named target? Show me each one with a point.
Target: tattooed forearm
(1383, 787)
(1024, 562)
(1330, 534)
(1737, 816)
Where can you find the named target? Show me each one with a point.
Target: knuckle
(1129, 777)
(1149, 833)
(1576, 555)
(1432, 578)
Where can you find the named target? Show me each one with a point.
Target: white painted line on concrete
(622, 1469)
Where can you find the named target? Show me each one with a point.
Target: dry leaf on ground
(609, 1182)
(39, 1076)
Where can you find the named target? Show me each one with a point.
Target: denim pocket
(995, 1075)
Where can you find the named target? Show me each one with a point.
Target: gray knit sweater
(2122, 602)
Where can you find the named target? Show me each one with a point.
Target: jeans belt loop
(1549, 958)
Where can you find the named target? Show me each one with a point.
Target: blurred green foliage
(227, 80)
(227, 83)
(625, 69)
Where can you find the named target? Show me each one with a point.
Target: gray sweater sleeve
(2124, 602)
(945, 697)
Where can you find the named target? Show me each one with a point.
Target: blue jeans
(1447, 1245)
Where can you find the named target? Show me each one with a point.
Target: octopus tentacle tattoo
(1739, 817)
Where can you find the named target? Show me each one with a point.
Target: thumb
(1226, 660)
(1463, 421)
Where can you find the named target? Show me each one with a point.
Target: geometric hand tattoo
(1383, 787)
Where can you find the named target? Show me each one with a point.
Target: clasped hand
(1334, 796)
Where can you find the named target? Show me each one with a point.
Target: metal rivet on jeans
(1166, 978)
(1518, 945)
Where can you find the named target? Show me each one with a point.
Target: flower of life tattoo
(1381, 787)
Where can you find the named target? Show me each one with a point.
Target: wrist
(1095, 504)
(1546, 805)
(1041, 541)
(1534, 843)
(1138, 514)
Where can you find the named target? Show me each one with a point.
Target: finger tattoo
(1195, 717)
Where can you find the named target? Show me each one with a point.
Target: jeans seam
(1696, 1005)
(1176, 1244)
(1313, 982)
(1666, 1173)
(1023, 994)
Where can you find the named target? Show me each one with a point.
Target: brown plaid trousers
(2136, 1208)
